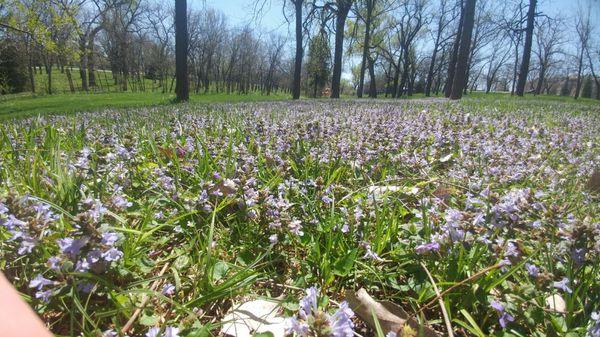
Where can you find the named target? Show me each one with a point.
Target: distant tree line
(135, 42)
(390, 48)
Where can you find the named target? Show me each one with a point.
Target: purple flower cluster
(312, 320)
(27, 220)
(505, 317)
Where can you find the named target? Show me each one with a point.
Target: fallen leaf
(391, 317)
(378, 191)
(556, 303)
(594, 182)
(253, 317)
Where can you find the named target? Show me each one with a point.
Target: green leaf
(474, 328)
(182, 261)
(220, 270)
(148, 320)
(263, 334)
(343, 266)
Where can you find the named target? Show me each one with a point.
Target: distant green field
(26, 105)
(60, 83)
(63, 101)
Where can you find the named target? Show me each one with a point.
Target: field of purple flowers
(154, 222)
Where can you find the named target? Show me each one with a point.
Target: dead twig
(145, 299)
(472, 277)
(440, 301)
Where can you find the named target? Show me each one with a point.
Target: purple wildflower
(168, 289)
(511, 250)
(39, 282)
(578, 255)
(70, 246)
(505, 317)
(153, 332)
(112, 254)
(294, 326)
(341, 321)
(27, 245)
(110, 333)
(54, 263)
(109, 238)
(563, 285)
(44, 295)
(308, 304)
(369, 254)
(86, 287)
(594, 329)
(171, 332)
(427, 247)
(532, 269)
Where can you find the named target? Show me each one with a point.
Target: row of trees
(135, 41)
(452, 46)
(390, 47)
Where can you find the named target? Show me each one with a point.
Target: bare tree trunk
(83, 60)
(181, 45)
(526, 49)
(48, 66)
(405, 74)
(396, 78)
(436, 46)
(460, 79)
(540, 83)
(365, 54)
(373, 83)
(340, 21)
(579, 74)
(298, 58)
(454, 56)
(70, 79)
(30, 70)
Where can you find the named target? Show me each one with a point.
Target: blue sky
(241, 12)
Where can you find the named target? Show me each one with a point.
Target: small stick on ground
(440, 301)
(145, 299)
(472, 277)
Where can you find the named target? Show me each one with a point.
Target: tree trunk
(70, 80)
(405, 74)
(340, 21)
(579, 72)
(181, 45)
(48, 66)
(396, 78)
(83, 60)
(430, 72)
(526, 49)
(460, 75)
(540, 83)
(454, 56)
(373, 83)
(30, 71)
(365, 54)
(298, 58)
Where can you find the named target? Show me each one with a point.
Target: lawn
(481, 207)
(26, 105)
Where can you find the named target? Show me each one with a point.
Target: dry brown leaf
(391, 316)
(594, 182)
